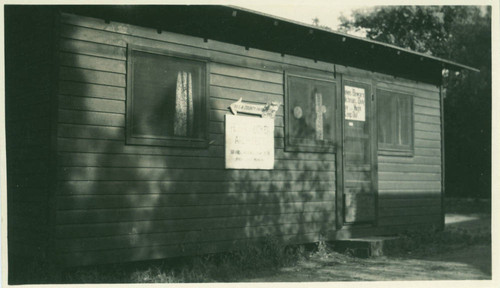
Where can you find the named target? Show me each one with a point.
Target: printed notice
(249, 142)
(354, 103)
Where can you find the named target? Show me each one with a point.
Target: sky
(306, 11)
(329, 11)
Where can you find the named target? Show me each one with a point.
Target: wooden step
(365, 247)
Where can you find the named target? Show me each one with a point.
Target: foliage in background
(461, 34)
(316, 22)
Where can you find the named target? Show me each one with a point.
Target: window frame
(396, 149)
(322, 146)
(173, 141)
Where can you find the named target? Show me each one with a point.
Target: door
(358, 163)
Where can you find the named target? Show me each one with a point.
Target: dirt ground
(472, 262)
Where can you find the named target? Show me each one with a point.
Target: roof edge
(452, 65)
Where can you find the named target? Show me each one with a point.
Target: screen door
(358, 194)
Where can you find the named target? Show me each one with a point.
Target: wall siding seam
(245, 89)
(69, 37)
(244, 78)
(90, 111)
(75, 67)
(167, 195)
(93, 83)
(256, 205)
(92, 97)
(196, 157)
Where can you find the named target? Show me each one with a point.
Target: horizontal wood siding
(410, 187)
(118, 202)
(145, 202)
(28, 66)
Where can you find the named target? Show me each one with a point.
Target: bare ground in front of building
(469, 262)
(462, 252)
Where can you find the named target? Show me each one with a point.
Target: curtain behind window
(183, 119)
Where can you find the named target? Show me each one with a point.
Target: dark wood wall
(118, 202)
(29, 50)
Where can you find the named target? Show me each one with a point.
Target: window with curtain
(395, 122)
(310, 119)
(166, 103)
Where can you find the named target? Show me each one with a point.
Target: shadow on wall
(119, 202)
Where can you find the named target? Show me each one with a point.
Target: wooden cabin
(119, 127)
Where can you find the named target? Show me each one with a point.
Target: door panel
(358, 194)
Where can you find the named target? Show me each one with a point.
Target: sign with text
(249, 142)
(354, 103)
(267, 111)
(248, 108)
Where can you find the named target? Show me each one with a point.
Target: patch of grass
(322, 250)
(250, 260)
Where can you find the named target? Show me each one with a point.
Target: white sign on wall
(354, 103)
(249, 142)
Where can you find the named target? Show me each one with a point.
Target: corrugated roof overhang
(257, 30)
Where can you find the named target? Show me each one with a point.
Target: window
(310, 114)
(166, 99)
(395, 123)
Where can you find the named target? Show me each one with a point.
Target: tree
(315, 22)
(461, 34)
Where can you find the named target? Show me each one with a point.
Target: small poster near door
(354, 103)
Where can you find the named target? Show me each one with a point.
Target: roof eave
(258, 30)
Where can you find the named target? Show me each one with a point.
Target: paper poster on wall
(249, 142)
(354, 103)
